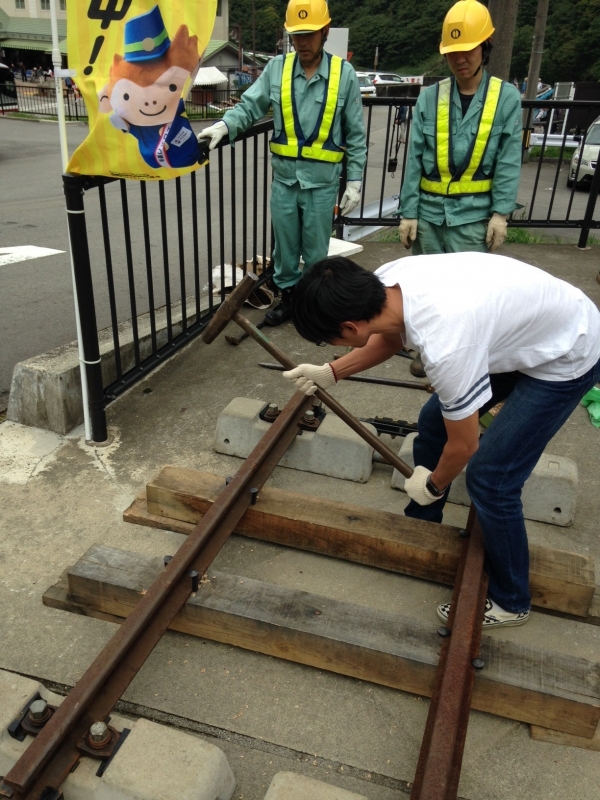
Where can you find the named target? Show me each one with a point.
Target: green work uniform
(454, 224)
(304, 192)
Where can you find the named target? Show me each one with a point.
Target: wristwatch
(432, 488)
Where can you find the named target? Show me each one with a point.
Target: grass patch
(388, 235)
(550, 152)
(523, 236)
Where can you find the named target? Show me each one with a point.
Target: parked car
(386, 77)
(589, 157)
(366, 85)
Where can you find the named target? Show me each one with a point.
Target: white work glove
(496, 232)
(308, 378)
(415, 487)
(408, 232)
(215, 133)
(351, 197)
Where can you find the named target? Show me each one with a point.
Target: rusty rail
(440, 759)
(60, 744)
(57, 748)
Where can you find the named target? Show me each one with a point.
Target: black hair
(333, 291)
(486, 51)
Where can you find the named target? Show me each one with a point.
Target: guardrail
(549, 196)
(144, 255)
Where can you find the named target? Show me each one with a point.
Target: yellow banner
(135, 61)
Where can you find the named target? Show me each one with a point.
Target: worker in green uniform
(318, 118)
(464, 158)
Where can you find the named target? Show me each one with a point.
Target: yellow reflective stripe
(319, 154)
(485, 129)
(287, 111)
(442, 133)
(470, 187)
(466, 184)
(333, 89)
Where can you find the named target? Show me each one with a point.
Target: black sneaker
(493, 615)
(282, 312)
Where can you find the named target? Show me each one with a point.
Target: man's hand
(496, 232)
(215, 133)
(415, 487)
(351, 197)
(408, 232)
(308, 378)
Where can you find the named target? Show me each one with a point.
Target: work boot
(283, 311)
(416, 368)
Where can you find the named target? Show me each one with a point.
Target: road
(36, 305)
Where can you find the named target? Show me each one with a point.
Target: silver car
(589, 157)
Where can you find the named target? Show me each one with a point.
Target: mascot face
(155, 104)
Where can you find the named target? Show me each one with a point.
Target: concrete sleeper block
(291, 786)
(333, 449)
(154, 762)
(549, 494)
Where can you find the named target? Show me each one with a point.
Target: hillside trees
(407, 33)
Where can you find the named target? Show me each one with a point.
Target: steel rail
(425, 387)
(54, 752)
(440, 759)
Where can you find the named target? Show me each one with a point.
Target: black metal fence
(145, 253)
(554, 172)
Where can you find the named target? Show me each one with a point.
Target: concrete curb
(45, 390)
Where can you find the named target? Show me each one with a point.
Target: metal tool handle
(326, 398)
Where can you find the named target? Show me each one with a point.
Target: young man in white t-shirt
(488, 328)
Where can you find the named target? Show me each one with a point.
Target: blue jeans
(532, 414)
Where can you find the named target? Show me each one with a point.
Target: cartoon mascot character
(144, 91)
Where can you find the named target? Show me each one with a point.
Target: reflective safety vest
(291, 142)
(468, 177)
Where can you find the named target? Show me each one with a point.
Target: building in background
(25, 34)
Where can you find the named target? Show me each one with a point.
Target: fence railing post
(73, 187)
(589, 211)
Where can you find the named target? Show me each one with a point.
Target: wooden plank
(560, 580)
(138, 514)
(566, 739)
(519, 682)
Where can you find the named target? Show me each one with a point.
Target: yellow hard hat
(467, 25)
(306, 16)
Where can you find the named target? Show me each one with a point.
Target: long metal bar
(440, 759)
(52, 755)
(426, 387)
(326, 398)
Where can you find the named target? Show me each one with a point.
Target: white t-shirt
(470, 315)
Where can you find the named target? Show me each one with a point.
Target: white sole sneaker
(493, 615)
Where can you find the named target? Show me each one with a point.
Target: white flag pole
(59, 74)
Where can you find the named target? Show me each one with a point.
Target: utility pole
(253, 44)
(376, 59)
(537, 49)
(504, 16)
